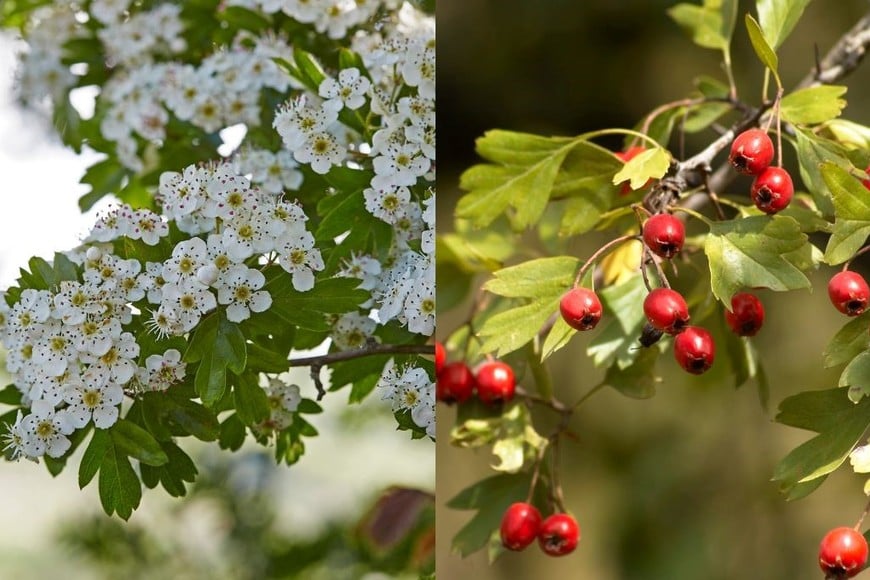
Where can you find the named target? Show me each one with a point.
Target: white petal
(105, 417)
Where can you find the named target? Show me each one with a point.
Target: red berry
(664, 234)
(746, 315)
(495, 382)
(842, 553)
(666, 310)
(849, 292)
(694, 350)
(559, 535)
(581, 308)
(866, 182)
(625, 157)
(751, 152)
(455, 383)
(519, 526)
(440, 357)
(772, 190)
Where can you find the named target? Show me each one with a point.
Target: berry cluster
(522, 523)
(666, 309)
(493, 381)
(751, 154)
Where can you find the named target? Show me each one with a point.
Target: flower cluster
(74, 351)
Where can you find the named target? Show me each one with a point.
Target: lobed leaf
(703, 23)
(490, 497)
(849, 341)
(813, 151)
(522, 176)
(755, 252)
(651, 164)
(851, 210)
(134, 441)
(837, 435)
(813, 105)
(119, 486)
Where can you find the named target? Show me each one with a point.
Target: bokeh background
(676, 487)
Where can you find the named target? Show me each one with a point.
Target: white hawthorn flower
(348, 91)
(240, 289)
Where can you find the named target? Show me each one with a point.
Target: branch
(318, 362)
(843, 58)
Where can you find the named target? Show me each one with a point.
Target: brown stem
(843, 58)
(539, 459)
(863, 515)
(602, 250)
(318, 362)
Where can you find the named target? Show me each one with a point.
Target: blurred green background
(678, 486)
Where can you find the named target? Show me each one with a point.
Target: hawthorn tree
(222, 258)
(688, 248)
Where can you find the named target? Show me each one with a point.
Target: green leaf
(848, 342)
(753, 252)
(813, 105)
(778, 18)
(544, 281)
(824, 453)
(232, 433)
(10, 396)
(852, 211)
(522, 176)
(618, 340)
(192, 418)
(311, 72)
(703, 23)
(541, 278)
(856, 376)
(178, 470)
(813, 151)
(219, 345)
(651, 164)
(120, 490)
(241, 18)
(490, 497)
(558, 337)
(508, 331)
(308, 309)
(93, 456)
(765, 53)
(637, 380)
(134, 441)
(850, 134)
(104, 177)
(251, 401)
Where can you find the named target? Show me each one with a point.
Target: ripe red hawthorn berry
(581, 308)
(666, 310)
(751, 152)
(694, 350)
(746, 315)
(559, 535)
(772, 190)
(625, 157)
(849, 292)
(440, 357)
(519, 526)
(455, 384)
(664, 235)
(842, 553)
(866, 182)
(495, 382)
